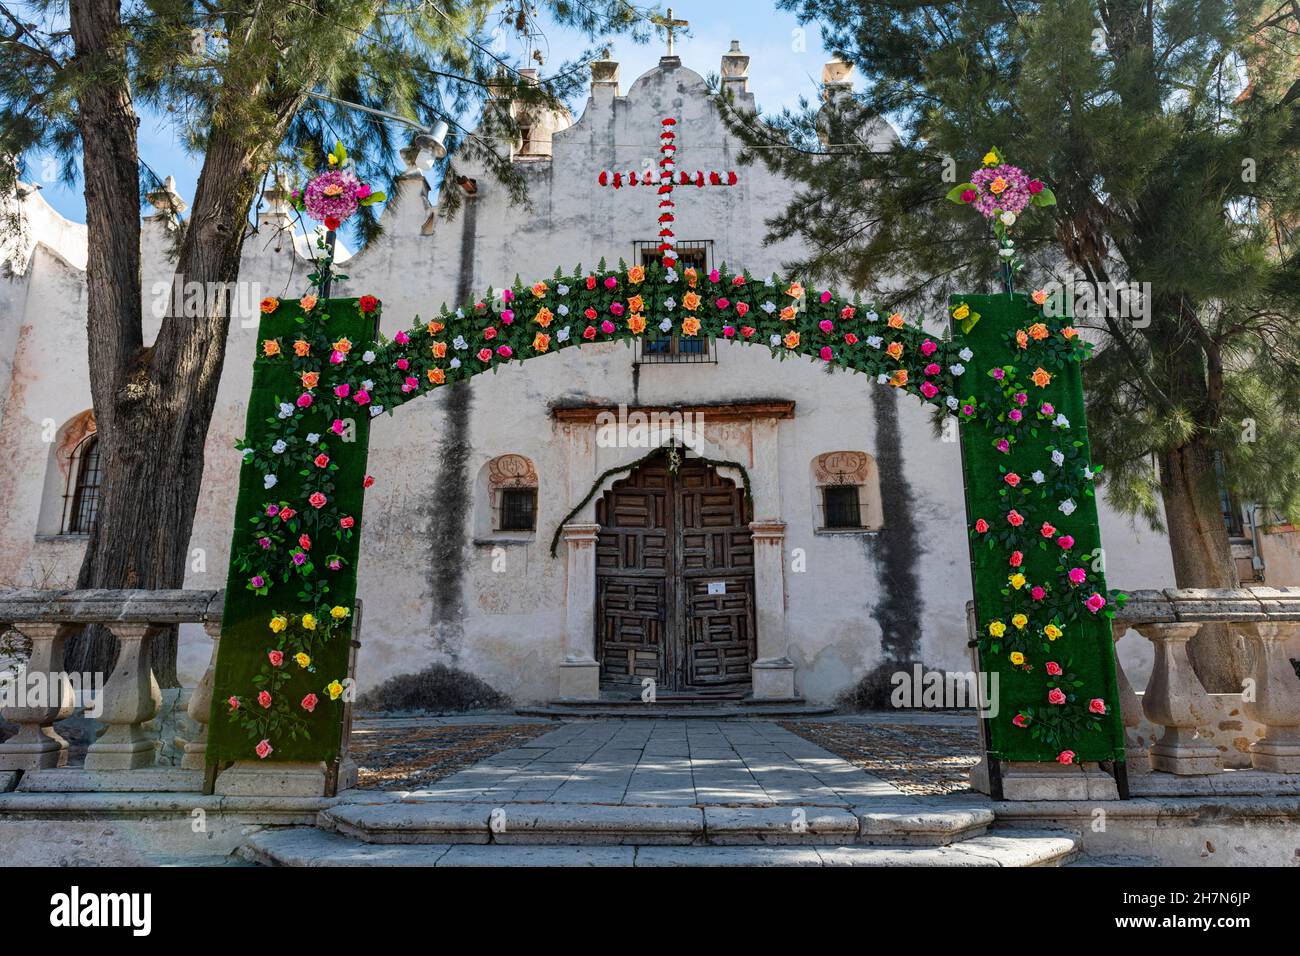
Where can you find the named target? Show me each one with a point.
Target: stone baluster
(200, 708)
(1275, 701)
(1136, 757)
(36, 745)
(579, 671)
(131, 697)
(1176, 700)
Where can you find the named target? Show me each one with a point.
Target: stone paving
(664, 763)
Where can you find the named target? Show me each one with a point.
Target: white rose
(882, 378)
(279, 446)
(1058, 458)
(459, 343)
(666, 325)
(376, 411)
(313, 438)
(966, 355)
(1038, 477)
(775, 340)
(957, 369)
(562, 335)
(1061, 421)
(269, 481)
(286, 410)
(1008, 218)
(873, 316)
(670, 303)
(454, 363)
(562, 289)
(875, 341)
(768, 307)
(952, 401)
(562, 309)
(1068, 506)
(367, 356)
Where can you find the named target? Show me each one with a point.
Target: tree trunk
(1202, 558)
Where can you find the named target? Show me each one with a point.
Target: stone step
(673, 710)
(306, 846)
(417, 821)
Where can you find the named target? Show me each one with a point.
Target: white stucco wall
(510, 628)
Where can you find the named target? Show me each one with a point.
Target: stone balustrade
(130, 694)
(1176, 701)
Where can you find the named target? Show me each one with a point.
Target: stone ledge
(725, 826)
(77, 780)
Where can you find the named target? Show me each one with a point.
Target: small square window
(841, 507)
(518, 509)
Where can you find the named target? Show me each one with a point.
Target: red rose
(485, 355)
(591, 282)
(347, 522)
(309, 703)
(332, 223)
(369, 480)
(1016, 518)
(589, 332)
(1053, 669)
(981, 526)
(304, 542)
(1017, 558)
(1020, 720)
(489, 333)
(287, 513)
(1065, 757)
(1097, 705)
(850, 339)
(1011, 478)
(367, 304)
(322, 460)
(1047, 530)
(747, 331)
(264, 698)
(233, 701)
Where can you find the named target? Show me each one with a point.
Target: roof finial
(668, 24)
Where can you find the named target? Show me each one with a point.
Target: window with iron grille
(518, 509)
(81, 494)
(693, 254)
(841, 506)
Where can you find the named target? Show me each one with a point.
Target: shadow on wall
(438, 689)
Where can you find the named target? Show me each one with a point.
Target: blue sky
(786, 64)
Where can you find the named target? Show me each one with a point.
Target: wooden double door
(675, 579)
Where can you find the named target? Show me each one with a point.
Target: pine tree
(1170, 134)
(234, 78)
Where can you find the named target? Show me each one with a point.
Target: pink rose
(1078, 576)
(607, 327)
(309, 703)
(1053, 669)
(317, 500)
(342, 391)
(1066, 541)
(263, 749)
(277, 658)
(485, 355)
(338, 426)
(825, 297)
(305, 400)
(722, 304)
(1065, 757)
(617, 308)
(741, 309)
(362, 397)
(1037, 593)
(508, 317)
(968, 196)
(505, 351)
(1056, 696)
(264, 699)
(401, 338)
(1095, 603)
(929, 389)
(337, 357)
(490, 333)
(1003, 445)
(347, 522)
(981, 526)
(1011, 478)
(728, 331)
(1016, 518)
(1017, 558)
(928, 347)
(826, 355)
(611, 283)
(826, 325)
(1097, 705)
(233, 701)
(1020, 720)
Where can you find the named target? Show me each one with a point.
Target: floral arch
(1006, 371)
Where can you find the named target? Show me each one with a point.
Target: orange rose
(1041, 377)
(690, 325)
(795, 291)
(307, 303)
(998, 186)
(691, 301)
(636, 274)
(539, 289)
(1038, 331)
(342, 345)
(1069, 332)
(896, 320)
(541, 342)
(636, 323)
(1022, 339)
(435, 327)
(791, 340)
(270, 304)
(439, 349)
(437, 376)
(301, 348)
(691, 277)
(1039, 296)
(543, 317)
(635, 304)
(270, 348)
(788, 313)
(310, 379)
(895, 350)
(899, 378)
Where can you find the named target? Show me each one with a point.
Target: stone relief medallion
(842, 468)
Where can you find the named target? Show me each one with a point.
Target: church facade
(570, 527)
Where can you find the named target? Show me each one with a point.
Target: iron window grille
(518, 509)
(841, 507)
(693, 254)
(81, 492)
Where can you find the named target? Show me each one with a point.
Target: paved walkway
(665, 763)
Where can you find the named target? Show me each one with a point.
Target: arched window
(81, 497)
(846, 485)
(512, 494)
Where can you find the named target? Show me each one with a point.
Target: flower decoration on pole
(1000, 193)
(331, 198)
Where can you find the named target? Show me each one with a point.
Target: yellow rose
(1017, 580)
(1052, 632)
(1020, 621)
(334, 689)
(1017, 658)
(279, 623)
(997, 628)
(339, 612)
(961, 312)
(990, 158)
(302, 659)
(309, 622)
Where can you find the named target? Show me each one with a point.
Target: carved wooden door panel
(633, 561)
(716, 561)
(675, 579)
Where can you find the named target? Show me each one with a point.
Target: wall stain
(896, 551)
(449, 506)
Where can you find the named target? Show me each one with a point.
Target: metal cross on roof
(669, 24)
(667, 178)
